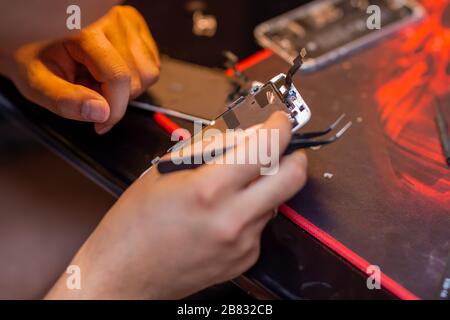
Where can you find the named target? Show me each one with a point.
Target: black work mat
(389, 197)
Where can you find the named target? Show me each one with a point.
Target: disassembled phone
(332, 29)
(261, 102)
(278, 94)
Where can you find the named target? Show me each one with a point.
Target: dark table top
(116, 159)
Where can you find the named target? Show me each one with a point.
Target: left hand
(91, 76)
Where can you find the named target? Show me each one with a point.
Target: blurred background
(172, 23)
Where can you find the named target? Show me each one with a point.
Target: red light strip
(251, 61)
(169, 126)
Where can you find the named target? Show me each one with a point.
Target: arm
(170, 236)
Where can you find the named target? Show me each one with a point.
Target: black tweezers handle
(167, 166)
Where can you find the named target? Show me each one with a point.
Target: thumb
(71, 101)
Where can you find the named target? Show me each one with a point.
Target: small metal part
(297, 64)
(238, 79)
(232, 59)
(204, 25)
(343, 130)
(155, 160)
(328, 175)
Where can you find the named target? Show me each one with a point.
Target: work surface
(388, 201)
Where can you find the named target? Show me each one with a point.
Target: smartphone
(247, 111)
(332, 29)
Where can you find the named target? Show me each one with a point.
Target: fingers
(274, 136)
(269, 192)
(253, 208)
(106, 65)
(121, 55)
(122, 34)
(144, 66)
(143, 31)
(62, 97)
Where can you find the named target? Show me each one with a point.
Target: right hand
(172, 235)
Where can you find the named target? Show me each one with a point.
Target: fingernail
(103, 130)
(93, 110)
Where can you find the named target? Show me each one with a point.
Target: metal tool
(297, 64)
(169, 112)
(298, 141)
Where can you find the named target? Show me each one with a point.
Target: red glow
(406, 102)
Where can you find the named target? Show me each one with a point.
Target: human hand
(172, 235)
(91, 76)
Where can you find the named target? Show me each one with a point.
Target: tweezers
(298, 141)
